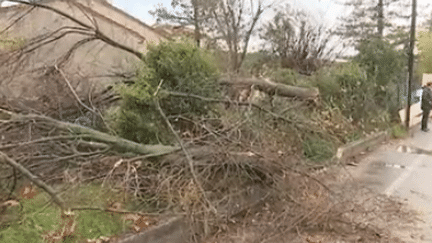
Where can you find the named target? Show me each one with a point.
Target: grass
(38, 220)
(29, 220)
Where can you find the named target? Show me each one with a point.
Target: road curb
(175, 230)
(356, 147)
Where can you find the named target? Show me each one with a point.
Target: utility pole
(411, 61)
(196, 19)
(380, 18)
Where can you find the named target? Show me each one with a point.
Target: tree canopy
(371, 18)
(425, 48)
(297, 39)
(229, 23)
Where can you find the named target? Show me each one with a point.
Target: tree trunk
(196, 23)
(118, 143)
(380, 18)
(272, 88)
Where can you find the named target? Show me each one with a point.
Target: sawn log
(273, 88)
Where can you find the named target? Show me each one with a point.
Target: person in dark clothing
(426, 105)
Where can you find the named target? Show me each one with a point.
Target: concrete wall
(92, 64)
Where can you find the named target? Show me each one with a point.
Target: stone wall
(91, 66)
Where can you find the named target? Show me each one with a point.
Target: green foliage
(425, 47)
(381, 61)
(32, 221)
(348, 89)
(385, 68)
(183, 68)
(174, 66)
(367, 88)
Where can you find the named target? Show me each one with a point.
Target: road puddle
(413, 150)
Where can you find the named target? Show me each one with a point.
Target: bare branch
(5, 159)
(73, 91)
(188, 156)
(16, 20)
(92, 29)
(70, 17)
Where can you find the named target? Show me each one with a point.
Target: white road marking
(404, 176)
(396, 166)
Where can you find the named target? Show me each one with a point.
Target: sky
(139, 8)
(324, 10)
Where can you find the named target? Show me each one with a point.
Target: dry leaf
(10, 203)
(28, 191)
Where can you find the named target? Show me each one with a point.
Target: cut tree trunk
(118, 143)
(273, 88)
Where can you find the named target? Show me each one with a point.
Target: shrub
(349, 89)
(174, 66)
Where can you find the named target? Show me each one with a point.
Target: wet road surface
(405, 172)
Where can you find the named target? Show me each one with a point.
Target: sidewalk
(419, 139)
(401, 170)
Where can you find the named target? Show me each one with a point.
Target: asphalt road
(405, 172)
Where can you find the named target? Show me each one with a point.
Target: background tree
(371, 18)
(385, 68)
(373, 54)
(186, 12)
(233, 22)
(425, 48)
(428, 23)
(299, 42)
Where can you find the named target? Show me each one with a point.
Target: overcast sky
(324, 11)
(139, 8)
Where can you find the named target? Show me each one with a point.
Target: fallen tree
(273, 88)
(116, 142)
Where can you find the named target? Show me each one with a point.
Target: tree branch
(97, 33)
(117, 142)
(5, 159)
(211, 100)
(188, 156)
